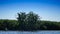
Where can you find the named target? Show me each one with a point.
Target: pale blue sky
(47, 9)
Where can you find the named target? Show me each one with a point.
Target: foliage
(29, 21)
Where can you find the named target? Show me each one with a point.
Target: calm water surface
(26, 32)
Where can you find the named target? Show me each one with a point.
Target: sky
(46, 9)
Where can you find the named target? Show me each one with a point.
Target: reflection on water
(26, 32)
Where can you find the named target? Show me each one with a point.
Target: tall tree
(27, 21)
(32, 19)
(21, 19)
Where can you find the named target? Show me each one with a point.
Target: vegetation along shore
(28, 22)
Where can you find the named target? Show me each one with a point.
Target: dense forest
(28, 22)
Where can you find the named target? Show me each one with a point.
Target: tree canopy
(28, 22)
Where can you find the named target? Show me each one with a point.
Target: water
(26, 32)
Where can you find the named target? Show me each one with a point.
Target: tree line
(28, 22)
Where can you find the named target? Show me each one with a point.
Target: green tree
(21, 19)
(32, 19)
(27, 21)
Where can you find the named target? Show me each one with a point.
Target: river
(29, 32)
